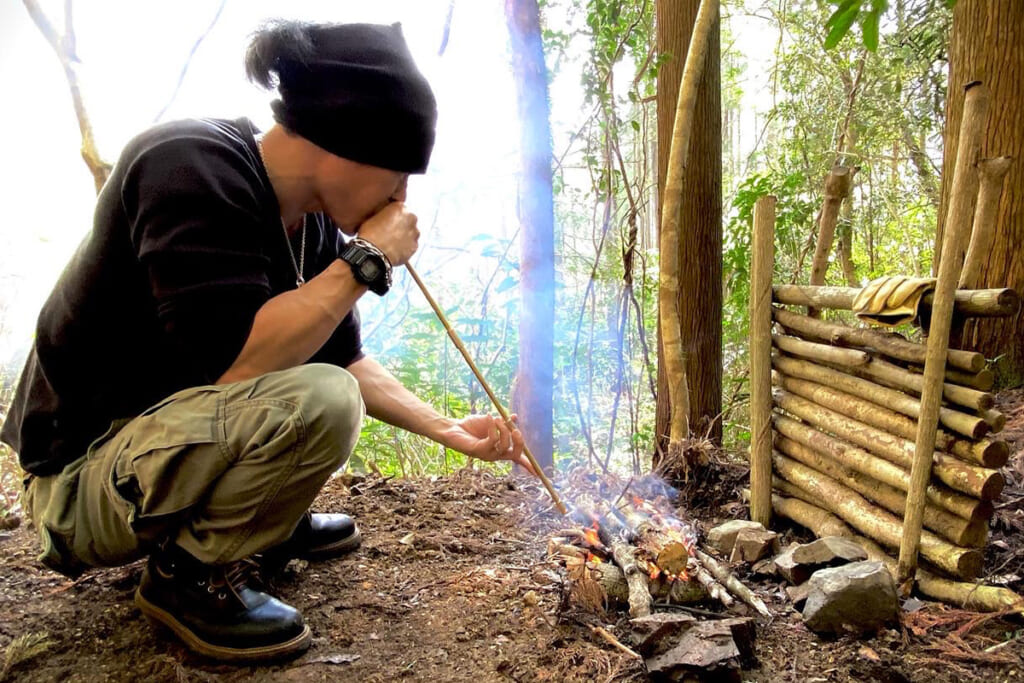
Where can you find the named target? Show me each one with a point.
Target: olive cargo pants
(224, 471)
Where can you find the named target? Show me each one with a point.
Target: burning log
(970, 426)
(975, 481)
(957, 530)
(987, 453)
(967, 595)
(861, 461)
(614, 533)
(874, 522)
(657, 537)
(613, 582)
(888, 344)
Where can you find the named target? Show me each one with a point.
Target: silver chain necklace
(300, 265)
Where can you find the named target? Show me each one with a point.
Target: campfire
(638, 547)
(631, 547)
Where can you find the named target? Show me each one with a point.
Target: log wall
(845, 409)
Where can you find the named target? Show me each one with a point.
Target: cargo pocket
(166, 460)
(52, 503)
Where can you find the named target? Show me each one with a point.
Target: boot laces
(234, 576)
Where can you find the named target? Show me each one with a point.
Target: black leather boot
(214, 610)
(318, 536)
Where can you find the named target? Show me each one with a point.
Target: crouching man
(197, 371)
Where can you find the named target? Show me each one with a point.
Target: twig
(614, 642)
(628, 484)
(734, 585)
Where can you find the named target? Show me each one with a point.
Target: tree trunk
(536, 238)
(700, 221)
(985, 45)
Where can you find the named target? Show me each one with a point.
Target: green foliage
(868, 13)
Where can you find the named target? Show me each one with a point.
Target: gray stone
(752, 545)
(723, 537)
(829, 549)
(707, 650)
(658, 632)
(857, 597)
(797, 562)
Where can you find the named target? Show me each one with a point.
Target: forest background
(790, 109)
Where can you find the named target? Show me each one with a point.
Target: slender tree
(985, 45)
(535, 378)
(700, 220)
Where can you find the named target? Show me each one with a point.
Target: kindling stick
(487, 387)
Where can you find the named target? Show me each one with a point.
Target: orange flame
(591, 537)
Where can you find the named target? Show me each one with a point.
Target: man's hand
(487, 437)
(392, 230)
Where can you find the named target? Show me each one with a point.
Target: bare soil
(451, 584)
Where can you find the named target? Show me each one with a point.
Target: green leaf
(506, 284)
(840, 23)
(843, 7)
(869, 31)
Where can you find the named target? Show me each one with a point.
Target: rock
(723, 537)
(797, 562)
(656, 633)
(707, 650)
(858, 597)
(752, 545)
(829, 549)
(798, 594)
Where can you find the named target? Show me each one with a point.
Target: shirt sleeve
(196, 220)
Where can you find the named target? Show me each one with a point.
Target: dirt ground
(451, 584)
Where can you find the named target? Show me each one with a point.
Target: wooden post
(762, 267)
(957, 230)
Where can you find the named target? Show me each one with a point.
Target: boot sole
(326, 552)
(299, 643)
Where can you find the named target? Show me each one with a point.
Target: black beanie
(360, 96)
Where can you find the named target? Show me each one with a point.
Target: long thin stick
(958, 229)
(487, 387)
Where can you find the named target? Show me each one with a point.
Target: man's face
(351, 192)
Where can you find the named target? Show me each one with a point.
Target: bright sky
(131, 53)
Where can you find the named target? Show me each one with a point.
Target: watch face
(370, 269)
